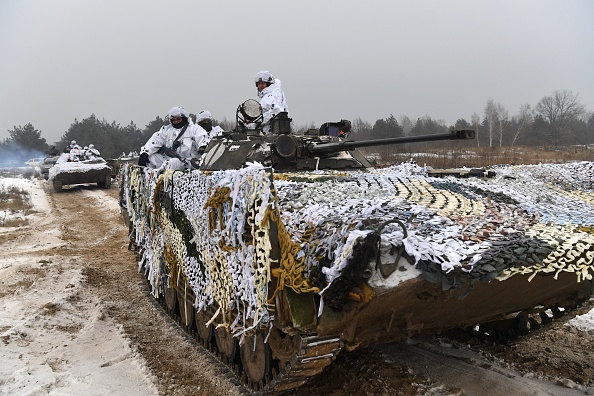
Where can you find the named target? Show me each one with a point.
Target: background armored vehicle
(283, 250)
(48, 162)
(66, 172)
(35, 162)
(116, 163)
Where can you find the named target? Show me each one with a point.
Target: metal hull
(419, 307)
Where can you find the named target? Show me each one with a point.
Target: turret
(322, 148)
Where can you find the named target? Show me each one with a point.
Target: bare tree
(491, 118)
(475, 120)
(559, 110)
(406, 124)
(360, 128)
(522, 120)
(301, 129)
(502, 122)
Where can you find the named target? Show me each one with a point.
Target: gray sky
(130, 60)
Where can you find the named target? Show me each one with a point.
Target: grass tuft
(14, 200)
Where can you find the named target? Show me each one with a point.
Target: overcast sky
(130, 60)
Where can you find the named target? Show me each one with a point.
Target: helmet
(177, 112)
(72, 143)
(86, 148)
(264, 75)
(91, 146)
(203, 115)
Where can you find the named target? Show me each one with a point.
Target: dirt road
(178, 365)
(83, 231)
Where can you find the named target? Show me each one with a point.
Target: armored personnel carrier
(283, 250)
(85, 171)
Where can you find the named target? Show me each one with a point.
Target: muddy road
(86, 220)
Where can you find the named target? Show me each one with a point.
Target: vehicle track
(429, 366)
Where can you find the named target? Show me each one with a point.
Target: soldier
(205, 120)
(72, 145)
(176, 145)
(92, 152)
(272, 97)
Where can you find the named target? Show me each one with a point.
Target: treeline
(110, 138)
(556, 120)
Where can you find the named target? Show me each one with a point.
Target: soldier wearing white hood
(92, 152)
(72, 146)
(272, 97)
(175, 145)
(205, 120)
(75, 152)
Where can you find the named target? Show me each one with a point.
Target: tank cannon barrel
(319, 148)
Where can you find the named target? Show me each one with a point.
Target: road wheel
(226, 343)
(170, 298)
(255, 358)
(206, 333)
(186, 309)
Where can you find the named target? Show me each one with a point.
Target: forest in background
(554, 124)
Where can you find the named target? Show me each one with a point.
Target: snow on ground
(108, 204)
(56, 342)
(583, 322)
(55, 338)
(33, 186)
(37, 196)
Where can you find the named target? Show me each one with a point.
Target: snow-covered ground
(584, 322)
(55, 337)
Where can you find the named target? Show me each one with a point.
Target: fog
(129, 61)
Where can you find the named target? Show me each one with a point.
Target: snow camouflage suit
(272, 100)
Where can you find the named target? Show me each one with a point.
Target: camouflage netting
(213, 229)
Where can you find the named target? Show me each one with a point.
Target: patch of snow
(583, 322)
(55, 338)
(404, 272)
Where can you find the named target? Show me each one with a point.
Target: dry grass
(457, 156)
(23, 171)
(14, 200)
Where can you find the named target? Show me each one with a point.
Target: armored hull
(279, 272)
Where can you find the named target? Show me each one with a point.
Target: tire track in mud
(448, 362)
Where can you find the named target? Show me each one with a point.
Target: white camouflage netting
(526, 220)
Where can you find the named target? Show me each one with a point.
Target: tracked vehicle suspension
(256, 365)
